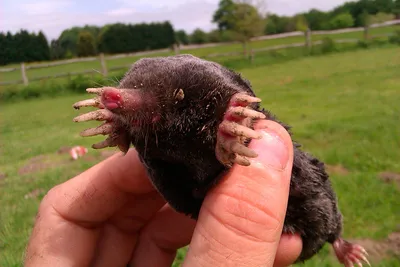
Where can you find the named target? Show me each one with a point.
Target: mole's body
(190, 120)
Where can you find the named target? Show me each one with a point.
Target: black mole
(190, 120)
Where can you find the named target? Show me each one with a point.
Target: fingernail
(271, 149)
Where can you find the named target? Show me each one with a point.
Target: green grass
(201, 52)
(344, 108)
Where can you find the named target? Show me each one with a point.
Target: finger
(162, 237)
(71, 215)
(94, 195)
(289, 250)
(241, 220)
(120, 234)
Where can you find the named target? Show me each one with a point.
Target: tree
(223, 16)
(181, 37)
(3, 44)
(271, 24)
(301, 23)
(123, 38)
(383, 6)
(69, 38)
(248, 23)
(277, 24)
(85, 45)
(198, 37)
(396, 9)
(56, 51)
(381, 17)
(344, 20)
(43, 52)
(214, 36)
(316, 19)
(10, 49)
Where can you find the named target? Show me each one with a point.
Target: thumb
(241, 220)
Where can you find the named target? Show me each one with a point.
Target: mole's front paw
(235, 129)
(349, 253)
(117, 136)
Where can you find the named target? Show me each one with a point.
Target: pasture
(201, 52)
(344, 108)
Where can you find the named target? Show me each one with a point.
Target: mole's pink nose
(122, 100)
(111, 98)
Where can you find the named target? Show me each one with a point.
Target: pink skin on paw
(349, 253)
(229, 117)
(235, 129)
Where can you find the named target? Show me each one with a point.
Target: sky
(53, 16)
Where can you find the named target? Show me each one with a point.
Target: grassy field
(344, 109)
(202, 52)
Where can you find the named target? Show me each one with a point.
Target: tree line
(236, 20)
(23, 47)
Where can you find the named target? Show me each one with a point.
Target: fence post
(308, 39)
(23, 73)
(177, 49)
(366, 32)
(103, 65)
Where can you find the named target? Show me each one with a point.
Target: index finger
(104, 189)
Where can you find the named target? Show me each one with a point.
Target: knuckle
(246, 213)
(50, 197)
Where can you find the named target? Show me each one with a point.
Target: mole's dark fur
(179, 150)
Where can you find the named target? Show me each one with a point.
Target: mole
(190, 121)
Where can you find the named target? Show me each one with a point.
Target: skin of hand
(111, 214)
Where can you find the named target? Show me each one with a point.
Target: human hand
(111, 214)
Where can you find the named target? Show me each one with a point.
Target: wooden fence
(105, 70)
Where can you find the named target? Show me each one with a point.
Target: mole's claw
(103, 129)
(109, 142)
(97, 91)
(235, 129)
(244, 99)
(87, 103)
(365, 259)
(243, 150)
(99, 115)
(245, 112)
(241, 160)
(362, 250)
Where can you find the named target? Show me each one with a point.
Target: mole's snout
(111, 98)
(121, 99)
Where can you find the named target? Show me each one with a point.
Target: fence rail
(103, 58)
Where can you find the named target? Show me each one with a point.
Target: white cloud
(291, 7)
(43, 7)
(121, 11)
(155, 3)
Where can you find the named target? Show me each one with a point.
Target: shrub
(395, 39)
(343, 20)
(328, 45)
(363, 44)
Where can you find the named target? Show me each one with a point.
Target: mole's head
(138, 106)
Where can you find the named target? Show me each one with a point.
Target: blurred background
(331, 69)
